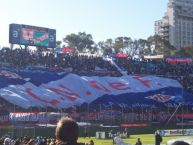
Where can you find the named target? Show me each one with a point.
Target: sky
(102, 19)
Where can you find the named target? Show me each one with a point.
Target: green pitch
(145, 138)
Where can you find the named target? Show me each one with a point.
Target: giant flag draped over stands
(61, 90)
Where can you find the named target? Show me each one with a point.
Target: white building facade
(177, 24)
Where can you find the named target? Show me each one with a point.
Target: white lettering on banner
(67, 91)
(24, 117)
(129, 117)
(175, 132)
(35, 117)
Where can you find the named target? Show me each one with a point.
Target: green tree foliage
(186, 51)
(58, 44)
(122, 42)
(118, 44)
(81, 41)
(106, 47)
(127, 42)
(154, 45)
(161, 46)
(109, 43)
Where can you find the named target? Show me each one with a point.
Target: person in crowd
(138, 142)
(1, 140)
(52, 143)
(67, 132)
(31, 142)
(91, 142)
(7, 141)
(17, 142)
(158, 138)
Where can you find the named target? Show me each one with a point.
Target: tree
(123, 44)
(109, 43)
(134, 48)
(86, 41)
(127, 42)
(187, 51)
(101, 45)
(81, 41)
(155, 43)
(105, 46)
(161, 46)
(168, 48)
(58, 44)
(94, 49)
(72, 40)
(143, 44)
(118, 44)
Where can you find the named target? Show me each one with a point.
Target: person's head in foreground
(67, 131)
(180, 143)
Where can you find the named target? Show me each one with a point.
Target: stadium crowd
(56, 62)
(66, 133)
(88, 65)
(6, 140)
(183, 72)
(92, 65)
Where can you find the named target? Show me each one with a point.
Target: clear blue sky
(102, 18)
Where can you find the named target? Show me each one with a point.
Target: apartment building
(176, 26)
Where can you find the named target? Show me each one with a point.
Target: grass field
(145, 138)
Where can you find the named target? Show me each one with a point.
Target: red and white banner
(74, 90)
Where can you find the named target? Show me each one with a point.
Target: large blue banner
(61, 90)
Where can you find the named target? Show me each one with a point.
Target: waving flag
(48, 89)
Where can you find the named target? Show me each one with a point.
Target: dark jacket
(138, 143)
(158, 139)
